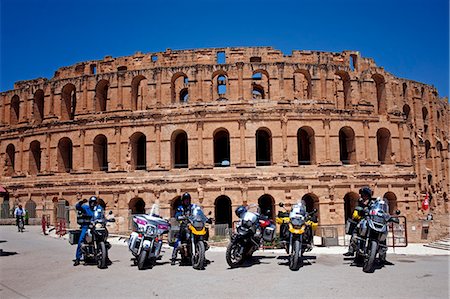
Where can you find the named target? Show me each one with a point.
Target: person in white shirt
(19, 212)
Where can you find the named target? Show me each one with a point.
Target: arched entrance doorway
(350, 202)
(312, 202)
(392, 202)
(267, 205)
(30, 206)
(137, 206)
(222, 210)
(4, 196)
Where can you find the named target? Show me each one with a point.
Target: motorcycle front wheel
(142, 258)
(233, 255)
(369, 261)
(295, 258)
(101, 255)
(198, 259)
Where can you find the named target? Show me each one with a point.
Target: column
(119, 91)
(52, 101)
(200, 143)
(21, 168)
(401, 145)
(366, 141)
(280, 67)
(158, 86)
(85, 94)
(48, 138)
(240, 66)
(242, 139)
(158, 144)
(284, 121)
(117, 132)
(326, 126)
(82, 135)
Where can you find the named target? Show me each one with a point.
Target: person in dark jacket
(183, 210)
(87, 212)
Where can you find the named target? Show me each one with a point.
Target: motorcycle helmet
(240, 210)
(365, 191)
(185, 199)
(92, 202)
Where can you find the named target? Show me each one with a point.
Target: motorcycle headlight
(151, 230)
(198, 224)
(297, 221)
(98, 226)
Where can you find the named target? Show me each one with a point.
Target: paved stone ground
(37, 266)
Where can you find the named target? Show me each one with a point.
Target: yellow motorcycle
(296, 232)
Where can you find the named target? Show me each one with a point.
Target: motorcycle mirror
(112, 220)
(359, 209)
(209, 213)
(281, 204)
(110, 213)
(397, 212)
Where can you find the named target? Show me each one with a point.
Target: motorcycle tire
(369, 261)
(295, 259)
(142, 258)
(198, 259)
(101, 255)
(230, 255)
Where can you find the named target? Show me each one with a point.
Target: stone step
(438, 247)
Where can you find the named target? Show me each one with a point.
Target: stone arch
(179, 87)
(380, 91)
(263, 147)
(312, 202)
(65, 155)
(180, 149)
(68, 102)
(425, 119)
(350, 202)
(266, 205)
(407, 112)
(10, 159)
(302, 84)
(392, 201)
(306, 146)
(14, 110)
(221, 147)
(138, 151)
(222, 210)
(38, 106)
(30, 206)
(260, 84)
(174, 204)
(347, 146)
(100, 153)
(101, 95)
(138, 92)
(342, 90)
(384, 146)
(35, 157)
(427, 149)
(137, 205)
(219, 84)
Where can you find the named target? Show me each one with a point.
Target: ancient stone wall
(230, 126)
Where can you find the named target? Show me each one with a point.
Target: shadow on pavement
(7, 253)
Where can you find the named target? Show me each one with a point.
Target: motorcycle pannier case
(269, 233)
(74, 236)
(350, 226)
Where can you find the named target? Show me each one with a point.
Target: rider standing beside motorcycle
(87, 212)
(183, 210)
(364, 201)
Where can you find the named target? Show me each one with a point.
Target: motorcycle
(20, 224)
(95, 246)
(296, 232)
(146, 242)
(194, 237)
(371, 235)
(252, 229)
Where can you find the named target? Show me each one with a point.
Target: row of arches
(180, 86)
(306, 150)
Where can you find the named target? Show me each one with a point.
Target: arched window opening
(302, 85)
(101, 95)
(305, 146)
(14, 110)
(69, 102)
(350, 202)
(122, 68)
(267, 206)
(174, 204)
(30, 207)
(407, 113)
(222, 210)
(222, 149)
(342, 90)
(427, 149)
(257, 92)
(100, 156)
(391, 201)
(221, 85)
(35, 157)
(138, 142)
(38, 106)
(93, 68)
(347, 146)
(138, 92)
(184, 95)
(263, 148)
(425, 119)
(65, 155)
(137, 206)
(384, 146)
(180, 150)
(380, 93)
(353, 62)
(405, 90)
(312, 202)
(10, 159)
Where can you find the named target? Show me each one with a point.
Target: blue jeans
(78, 254)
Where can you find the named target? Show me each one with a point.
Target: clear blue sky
(409, 38)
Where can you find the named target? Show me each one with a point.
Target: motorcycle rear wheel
(101, 255)
(198, 259)
(295, 259)
(142, 258)
(369, 261)
(232, 260)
